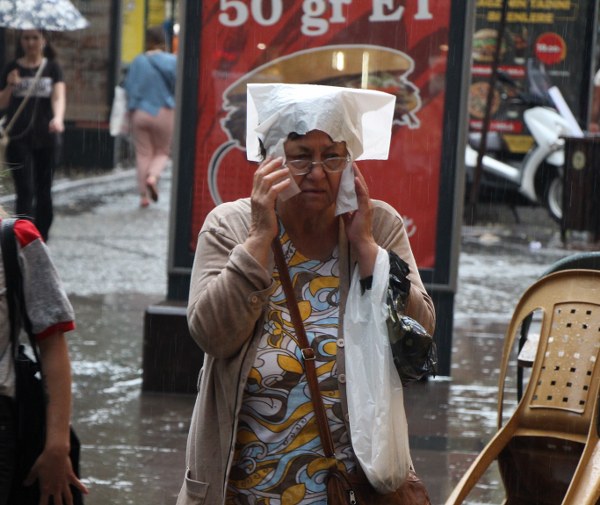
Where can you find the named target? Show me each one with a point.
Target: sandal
(151, 185)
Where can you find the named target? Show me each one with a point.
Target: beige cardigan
(228, 293)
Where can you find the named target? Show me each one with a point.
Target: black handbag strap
(14, 286)
(8, 259)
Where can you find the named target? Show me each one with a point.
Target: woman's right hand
(55, 474)
(13, 78)
(270, 179)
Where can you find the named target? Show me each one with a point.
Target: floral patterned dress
(279, 458)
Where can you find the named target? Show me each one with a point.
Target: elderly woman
(253, 437)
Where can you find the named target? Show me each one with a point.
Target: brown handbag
(343, 488)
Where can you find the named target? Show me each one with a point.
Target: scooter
(538, 177)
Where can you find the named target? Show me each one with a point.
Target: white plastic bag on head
(378, 426)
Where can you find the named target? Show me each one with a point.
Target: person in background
(36, 138)
(253, 436)
(150, 87)
(51, 316)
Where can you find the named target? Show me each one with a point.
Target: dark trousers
(7, 446)
(32, 169)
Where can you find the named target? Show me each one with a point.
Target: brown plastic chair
(585, 260)
(548, 451)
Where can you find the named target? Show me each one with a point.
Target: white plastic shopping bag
(118, 123)
(378, 426)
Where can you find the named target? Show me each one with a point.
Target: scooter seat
(493, 141)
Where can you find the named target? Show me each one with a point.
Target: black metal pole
(474, 195)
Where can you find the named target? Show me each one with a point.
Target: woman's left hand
(358, 226)
(56, 125)
(54, 471)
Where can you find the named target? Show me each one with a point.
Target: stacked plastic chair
(548, 451)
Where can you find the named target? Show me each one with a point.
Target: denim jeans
(7, 446)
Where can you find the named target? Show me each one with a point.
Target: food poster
(397, 46)
(546, 43)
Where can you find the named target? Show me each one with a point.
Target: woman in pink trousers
(150, 87)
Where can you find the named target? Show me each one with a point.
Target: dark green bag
(413, 349)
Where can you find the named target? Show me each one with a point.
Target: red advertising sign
(398, 46)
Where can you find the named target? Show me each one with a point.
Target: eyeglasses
(330, 165)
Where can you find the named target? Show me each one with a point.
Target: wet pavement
(112, 258)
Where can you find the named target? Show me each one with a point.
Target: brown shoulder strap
(307, 351)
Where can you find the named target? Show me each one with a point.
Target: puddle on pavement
(132, 444)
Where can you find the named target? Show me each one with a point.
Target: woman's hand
(270, 179)
(54, 471)
(59, 102)
(359, 229)
(56, 125)
(13, 78)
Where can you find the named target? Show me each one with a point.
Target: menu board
(395, 46)
(545, 43)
